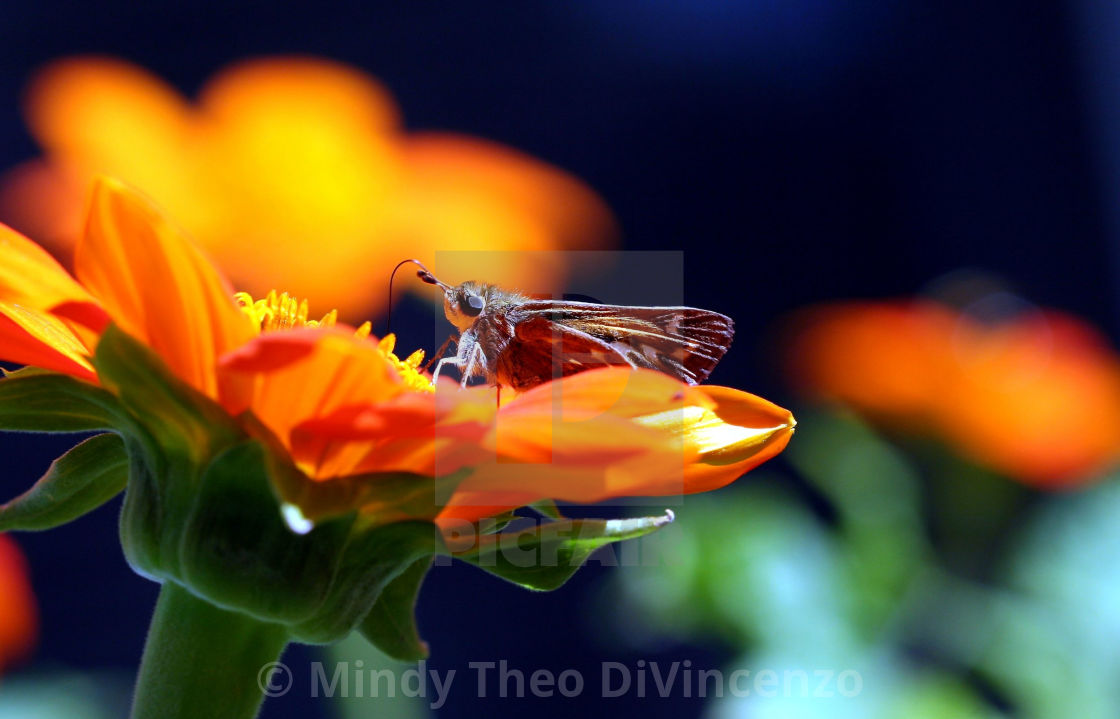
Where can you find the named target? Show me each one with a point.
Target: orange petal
(584, 419)
(889, 359)
(30, 277)
(619, 391)
(39, 339)
(158, 286)
(475, 209)
(272, 351)
(1037, 398)
(409, 414)
(575, 439)
(298, 376)
(602, 434)
(44, 201)
(306, 149)
(102, 115)
(395, 435)
(104, 110)
(332, 94)
(472, 170)
(741, 432)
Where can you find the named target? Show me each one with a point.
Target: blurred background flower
(1035, 395)
(19, 614)
(28, 690)
(294, 172)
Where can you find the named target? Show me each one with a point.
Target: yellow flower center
(409, 368)
(284, 312)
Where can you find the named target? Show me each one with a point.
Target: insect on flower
(517, 341)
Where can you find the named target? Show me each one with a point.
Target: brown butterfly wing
(542, 350)
(684, 342)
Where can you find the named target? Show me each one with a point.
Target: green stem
(202, 661)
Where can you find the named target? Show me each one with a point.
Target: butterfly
(516, 341)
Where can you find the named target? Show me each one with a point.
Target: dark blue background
(798, 150)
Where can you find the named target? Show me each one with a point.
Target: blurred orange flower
(295, 172)
(19, 617)
(342, 404)
(1036, 397)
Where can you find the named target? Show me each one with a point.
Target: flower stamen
(409, 368)
(281, 311)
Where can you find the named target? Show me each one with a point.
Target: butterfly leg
(439, 353)
(471, 365)
(468, 360)
(453, 361)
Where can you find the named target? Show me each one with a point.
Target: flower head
(279, 156)
(1036, 396)
(307, 449)
(344, 404)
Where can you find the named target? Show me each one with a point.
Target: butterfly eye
(472, 306)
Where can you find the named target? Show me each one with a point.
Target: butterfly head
(462, 304)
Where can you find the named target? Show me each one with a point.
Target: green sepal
(372, 560)
(545, 556)
(176, 432)
(35, 400)
(237, 550)
(183, 421)
(83, 479)
(391, 624)
(144, 515)
(382, 497)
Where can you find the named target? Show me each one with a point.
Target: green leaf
(181, 419)
(356, 651)
(237, 551)
(391, 624)
(78, 482)
(33, 400)
(497, 523)
(545, 556)
(546, 508)
(25, 371)
(373, 559)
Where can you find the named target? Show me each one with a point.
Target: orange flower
(296, 171)
(342, 404)
(885, 359)
(1036, 397)
(19, 617)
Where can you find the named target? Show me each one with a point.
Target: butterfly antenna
(423, 274)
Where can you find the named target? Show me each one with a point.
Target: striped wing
(684, 342)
